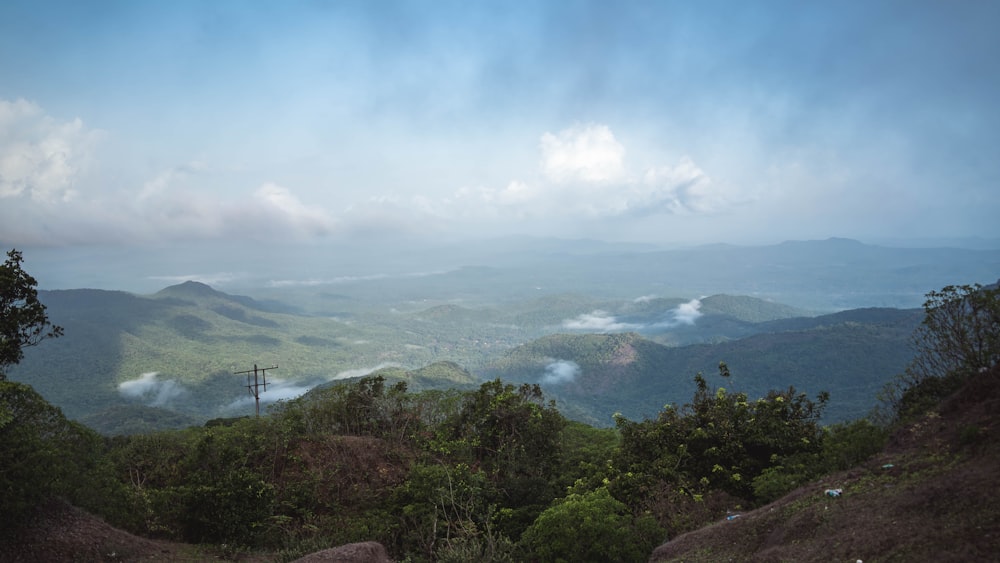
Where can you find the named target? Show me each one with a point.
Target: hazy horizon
(135, 130)
(153, 141)
(273, 270)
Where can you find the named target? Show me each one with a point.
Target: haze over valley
(604, 328)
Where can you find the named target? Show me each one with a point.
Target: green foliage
(490, 474)
(959, 338)
(46, 456)
(586, 456)
(365, 408)
(848, 444)
(23, 321)
(749, 309)
(441, 504)
(507, 430)
(721, 442)
(960, 332)
(591, 526)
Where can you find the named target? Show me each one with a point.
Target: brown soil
(60, 532)
(931, 496)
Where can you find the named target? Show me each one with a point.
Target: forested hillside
(848, 354)
(496, 472)
(171, 356)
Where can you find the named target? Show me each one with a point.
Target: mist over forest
(831, 315)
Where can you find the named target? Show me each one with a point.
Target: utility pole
(259, 380)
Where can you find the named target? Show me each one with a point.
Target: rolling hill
(927, 497)
(178, 349)
(849, 354)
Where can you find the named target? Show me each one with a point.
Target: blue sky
(147, 123)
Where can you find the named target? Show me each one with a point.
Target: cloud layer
(151, 390)
(645, 121)
(41, 157)
(684, 314)
(582, 176)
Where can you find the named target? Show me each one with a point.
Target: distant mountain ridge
(179, 347)
(821, 275)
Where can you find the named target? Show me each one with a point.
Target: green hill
(179, 348)
(929, 496)
(850, 355)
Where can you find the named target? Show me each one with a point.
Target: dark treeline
(496, 473)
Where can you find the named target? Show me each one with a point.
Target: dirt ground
(930, 496)
(60, 532)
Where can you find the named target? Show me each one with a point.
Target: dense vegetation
(489, 473)
(494, 473)
(23, 322)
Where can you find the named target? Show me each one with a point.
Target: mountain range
(604, 328)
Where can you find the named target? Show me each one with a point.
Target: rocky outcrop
(365, 552)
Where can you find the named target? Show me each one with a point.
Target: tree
(592, 526)
(23, 321)
(960, 333)
(959, 338)
(45, 456)
(690, 464)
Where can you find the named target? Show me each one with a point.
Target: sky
(190, 122)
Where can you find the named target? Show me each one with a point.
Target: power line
(259, 380)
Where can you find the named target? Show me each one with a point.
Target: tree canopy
(958, 339)
(23, 321)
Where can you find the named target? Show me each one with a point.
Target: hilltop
(929, 496)
(848, 354)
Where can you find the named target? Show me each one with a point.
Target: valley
(613, 332)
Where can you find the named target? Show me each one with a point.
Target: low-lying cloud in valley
(152, 390)
(277, 390)
(559, 372)
(598, 321)
(684, 314)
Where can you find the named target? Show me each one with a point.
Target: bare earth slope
(930, 496)
(61, 532)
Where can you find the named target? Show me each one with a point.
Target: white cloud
(583, 176)
(282, 205)
(171, 206)
(599, 321)
(39, 155)
(684, 188)
(584, 153)
(687, 313)
(683, 314)
(560, 371)
(152, 390)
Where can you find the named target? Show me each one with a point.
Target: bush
(45, 456)
(591, 527)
